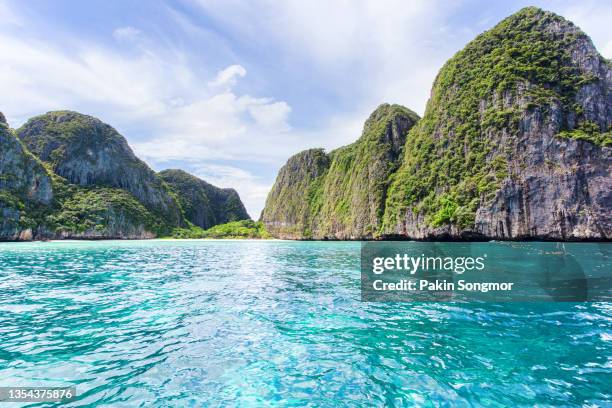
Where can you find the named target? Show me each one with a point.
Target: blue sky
(228, 90)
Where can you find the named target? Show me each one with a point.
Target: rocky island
(68, 175)
(515, 143)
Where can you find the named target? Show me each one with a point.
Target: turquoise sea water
(266, 323)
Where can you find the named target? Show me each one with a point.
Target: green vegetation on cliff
(25, 186)
(102, 211)
(58, 136)
(247, 229)
(203, 204)
(244, 229)
(590, 132)
(296, 194)
(355, 187)
(88, 152)
(340, 195)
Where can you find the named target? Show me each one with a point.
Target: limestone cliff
(340, 195)
(203, 204)
(25, 188)
(351, 201)
(87, 152)
(290, 204)
(515, 140)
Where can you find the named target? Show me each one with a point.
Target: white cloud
(379, 51)
(228, 77)
(270, 115)
(384, 51)
(39, 78)
(126, 33)
(219, 126)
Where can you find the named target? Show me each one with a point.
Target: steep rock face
(287, 213)
(204, 204)
(88, 152)
(340, 195)
(353, 194)
(515, 141)
(25, 187)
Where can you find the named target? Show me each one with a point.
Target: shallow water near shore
(252, 323)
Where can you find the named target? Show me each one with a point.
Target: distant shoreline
(585, 241)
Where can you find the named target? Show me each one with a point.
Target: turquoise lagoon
(274, 323)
